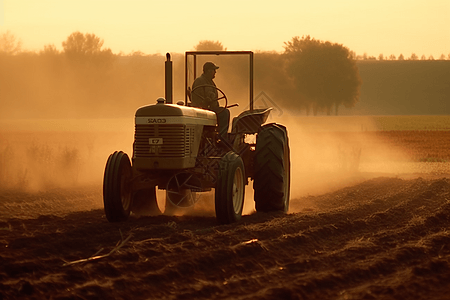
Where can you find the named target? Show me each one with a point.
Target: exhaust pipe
(169, 80)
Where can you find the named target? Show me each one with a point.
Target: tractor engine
(167, 136)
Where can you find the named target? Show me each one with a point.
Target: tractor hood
(174, 114)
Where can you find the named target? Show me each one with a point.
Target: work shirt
(205, 96)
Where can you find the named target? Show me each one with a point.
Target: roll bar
(199, 53)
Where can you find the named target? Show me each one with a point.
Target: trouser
(223, 118)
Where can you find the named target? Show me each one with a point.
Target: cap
(209, 66)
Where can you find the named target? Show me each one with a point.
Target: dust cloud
(59, 153)
(332, 152)
(327, 153)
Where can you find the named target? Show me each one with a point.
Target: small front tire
(230, 189)
(117, 188)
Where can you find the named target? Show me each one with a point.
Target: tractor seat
(250, 121)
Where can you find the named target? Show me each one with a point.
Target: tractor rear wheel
(230, 189)
(117, 187)
(272, 169)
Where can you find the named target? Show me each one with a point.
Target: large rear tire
(117, 188)
(230, 189)
(272, 169)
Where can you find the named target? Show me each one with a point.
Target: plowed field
(384, 238)
(369, 219)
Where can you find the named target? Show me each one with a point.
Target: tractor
(177, 149)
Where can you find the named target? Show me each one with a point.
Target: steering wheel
(204, 99)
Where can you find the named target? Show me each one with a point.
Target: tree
(381, 56)
(431, 57)
(414, 57)
(271, 78)
(401, 57)
(209, 45)
(323, 72)
(90, 67)
(392, 57)
(442, 57)
(78, 43)
(9, 43)
(49, 50)
(81, 47)
(423, 57)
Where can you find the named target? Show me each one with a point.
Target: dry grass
(44, 159)
(420, 146)
(39, 165)
(411, 123)
(414, 146)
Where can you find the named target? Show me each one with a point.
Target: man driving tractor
(206, 96)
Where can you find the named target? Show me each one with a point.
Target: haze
(372, 27)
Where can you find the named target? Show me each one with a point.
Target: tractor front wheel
(117, 187)
(230, 189)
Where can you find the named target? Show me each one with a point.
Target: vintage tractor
(177, 149)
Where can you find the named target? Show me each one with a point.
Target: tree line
(87, 80)
(413, 56)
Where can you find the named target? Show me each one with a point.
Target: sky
(372, 27)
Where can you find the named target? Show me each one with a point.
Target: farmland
(368, 219)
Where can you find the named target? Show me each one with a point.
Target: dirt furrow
(385, 238)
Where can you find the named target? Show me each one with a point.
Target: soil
(382, 238)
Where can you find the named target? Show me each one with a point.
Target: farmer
(206, 97)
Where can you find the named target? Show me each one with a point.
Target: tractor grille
(169, 140)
